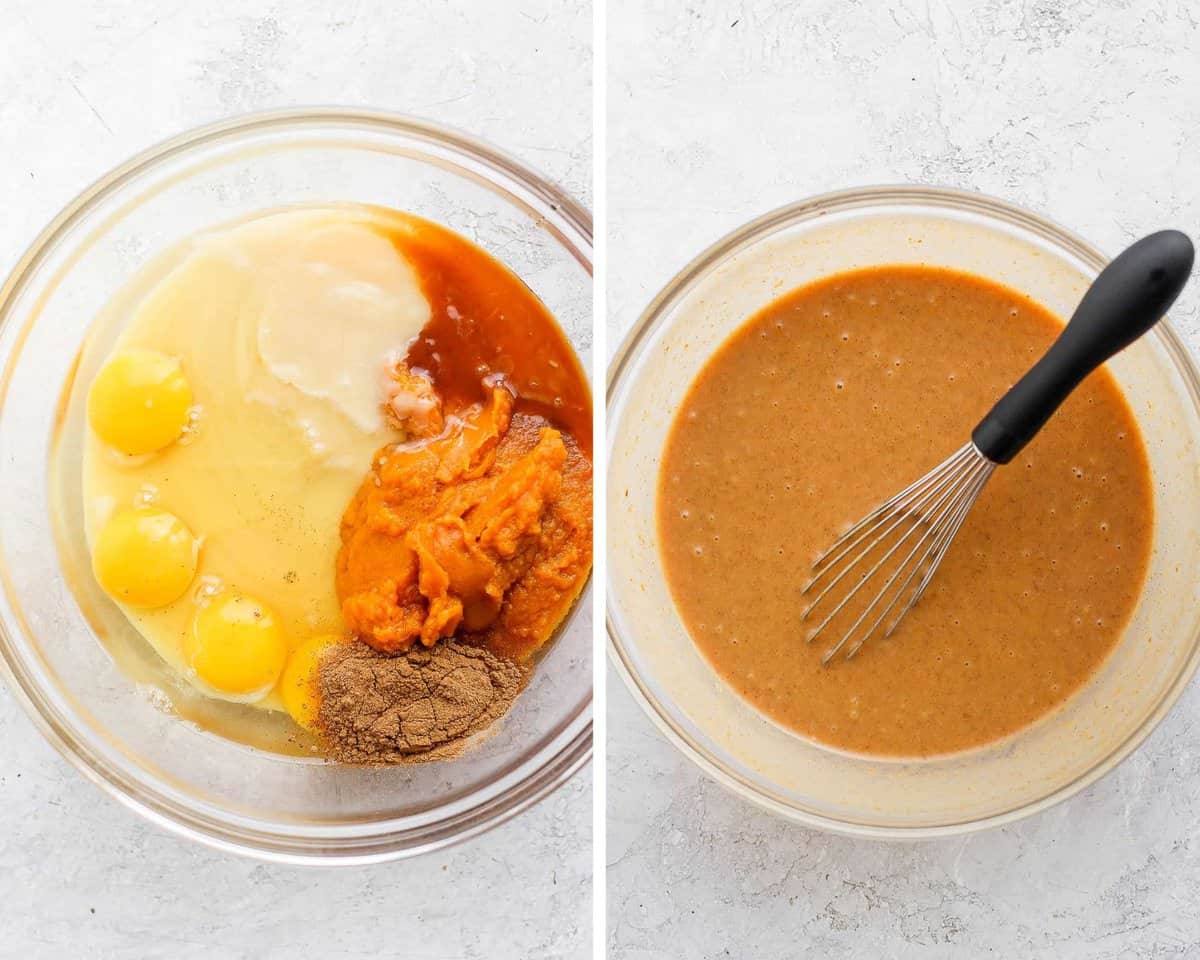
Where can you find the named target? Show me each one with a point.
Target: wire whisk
(900, 544)
(934, 507)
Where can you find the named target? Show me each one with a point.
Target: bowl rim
(313, 847)
(877, 197)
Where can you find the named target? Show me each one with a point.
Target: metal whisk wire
(1128, 297)
(937, 503)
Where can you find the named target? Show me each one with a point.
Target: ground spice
(420, 706)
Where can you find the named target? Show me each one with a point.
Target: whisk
(919, 523)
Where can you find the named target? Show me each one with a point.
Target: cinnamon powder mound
(424, 705)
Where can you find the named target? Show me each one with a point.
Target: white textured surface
(82, 86)
(1088, 112)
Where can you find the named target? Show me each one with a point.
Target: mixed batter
(828, 401)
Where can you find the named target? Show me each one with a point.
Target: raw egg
(139, 402)
(300, 687)
(236, 646)
(145, 557)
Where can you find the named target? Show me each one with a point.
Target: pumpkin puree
(443, 532)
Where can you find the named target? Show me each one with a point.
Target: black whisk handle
(1129, 297)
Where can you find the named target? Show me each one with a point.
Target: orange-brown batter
(830, 400)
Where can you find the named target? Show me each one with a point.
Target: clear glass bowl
(790, 775)
(115, 731)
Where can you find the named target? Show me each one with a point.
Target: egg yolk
(145, 558)
(236, 646)
(139, 402)
(300, 685)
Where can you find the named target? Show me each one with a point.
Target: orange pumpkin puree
(480, 526)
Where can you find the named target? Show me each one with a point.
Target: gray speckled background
(82, 86)
(1088, 112)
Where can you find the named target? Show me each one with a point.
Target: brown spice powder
(424, 705)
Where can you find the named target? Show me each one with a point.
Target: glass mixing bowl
(116, 731)
(729, 740)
